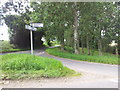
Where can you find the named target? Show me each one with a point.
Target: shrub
(4, 45)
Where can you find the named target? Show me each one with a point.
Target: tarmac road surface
(94, 75)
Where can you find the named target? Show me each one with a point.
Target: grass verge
(107, 58)
(11, 50)
(19, 66)
(5, 46)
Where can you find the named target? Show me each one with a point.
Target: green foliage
(25, 65)
(96, 27)
(18, 35)
(5, 45)
(69, 49)
(93, 19)
(12, 50)
(51, 43)
(107, 58)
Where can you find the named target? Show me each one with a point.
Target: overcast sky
(3, 28)
(4, 32)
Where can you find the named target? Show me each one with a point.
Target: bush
(4, 45)
(69, 49)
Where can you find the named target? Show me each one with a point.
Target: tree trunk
(76, 39)
(100, 47)
(88, 47)
(61, 36)
(116, 47)
(82, 45)
(62, 44)
(116, 50)
(99, 41)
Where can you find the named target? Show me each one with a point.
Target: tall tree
(76, 38)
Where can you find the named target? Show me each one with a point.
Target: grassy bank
(17, 66)
(106, 58)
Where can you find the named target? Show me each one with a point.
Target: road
(93, 75)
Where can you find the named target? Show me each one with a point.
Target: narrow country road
(94, 75)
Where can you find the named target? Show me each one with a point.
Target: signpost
(32, 28)
(36, 24)
(31, 41)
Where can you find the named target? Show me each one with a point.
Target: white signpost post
(32, 28)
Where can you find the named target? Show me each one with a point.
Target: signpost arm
(31, 42)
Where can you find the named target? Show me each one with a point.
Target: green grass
(11, 50)
(17, 66)
(93, 51)
(53, 43)
(5, 46)
(106, 58)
